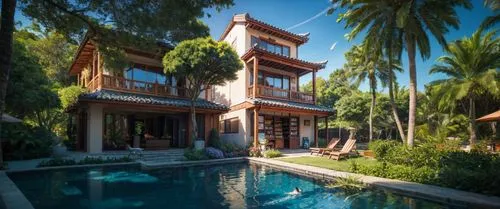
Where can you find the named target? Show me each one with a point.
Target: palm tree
(491, 20)
(472, 67)
(364, 65)
(389, 80)
(410, 20)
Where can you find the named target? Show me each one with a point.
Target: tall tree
(472, 67)
(6, 30)
(365, 65)
(414, 19)
(491, 20)
(111, 24)
(203, 62)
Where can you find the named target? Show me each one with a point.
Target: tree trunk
(372, 107)
(6, 30)
(472, 121)
(393, 103)
(194, 125)
(410, 44)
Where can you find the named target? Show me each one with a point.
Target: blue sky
(325, 31)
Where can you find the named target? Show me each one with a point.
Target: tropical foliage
(203, 62)
(471, 65)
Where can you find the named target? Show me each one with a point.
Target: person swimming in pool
(296, 191)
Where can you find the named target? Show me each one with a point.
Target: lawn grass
(323, 162)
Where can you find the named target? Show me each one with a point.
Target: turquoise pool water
(227, 186)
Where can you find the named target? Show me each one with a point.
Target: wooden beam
(316, 130)
(314, 86)
(255, 76)
(99, 71)
(255, 126)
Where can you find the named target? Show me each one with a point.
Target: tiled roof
(107, 95)
(256, 49)
(266, 27)
(289, 104)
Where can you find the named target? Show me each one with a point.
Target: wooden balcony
(281, 94)
(132, 86)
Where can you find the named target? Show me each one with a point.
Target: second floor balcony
(283, 94)
(277, 76)
(117, 83)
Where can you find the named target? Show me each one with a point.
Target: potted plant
(137, 135)
(199, 144)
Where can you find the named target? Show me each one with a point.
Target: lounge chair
(344, 152)
(331, 145)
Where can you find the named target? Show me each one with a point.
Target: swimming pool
(239, 185)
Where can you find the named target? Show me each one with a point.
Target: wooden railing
(134, 86)
(283, 94)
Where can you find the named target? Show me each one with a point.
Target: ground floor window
(229, 126)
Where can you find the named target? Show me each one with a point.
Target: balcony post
(99, 71)
(255, 75)
(314, 86)
(316, 130)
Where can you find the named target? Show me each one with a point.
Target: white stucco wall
(239, 138)
(256, 33)
(95, 128)
(234, 92)
(306, 131)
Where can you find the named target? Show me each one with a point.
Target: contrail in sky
(312, 18)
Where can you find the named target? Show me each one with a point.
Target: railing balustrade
(282, 94)
(134, 86)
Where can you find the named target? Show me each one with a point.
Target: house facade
(265, 101)
(138, 106)
(141, 106)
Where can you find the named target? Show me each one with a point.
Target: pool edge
(12, 197)
(432, 193)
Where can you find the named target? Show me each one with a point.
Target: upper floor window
(271, 47)
(272, 80)
(140, 73)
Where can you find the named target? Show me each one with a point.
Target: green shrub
(56, 162)
(192, 154)
(381, 148)
(214, 139)
(70, 94)
(471, 171)
(271, 153)
(435, 163)
(85, 161)
(25, 142)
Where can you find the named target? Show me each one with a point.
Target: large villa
(143, 94)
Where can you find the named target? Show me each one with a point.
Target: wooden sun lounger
(346, 149)
(331, 145)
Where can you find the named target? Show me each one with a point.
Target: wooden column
(314, 86)
(189, 130)
(78, 79)
(255, 127)
(316, 130)
(99, 71)
(255, 76)
(326, 129)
